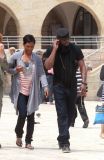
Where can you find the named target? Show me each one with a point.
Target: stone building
(42, 18)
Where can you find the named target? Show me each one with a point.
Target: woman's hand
(46, 92)
(19, 69)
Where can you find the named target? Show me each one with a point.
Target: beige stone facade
(29, 16)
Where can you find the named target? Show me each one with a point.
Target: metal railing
(95, 51)
(82, 41)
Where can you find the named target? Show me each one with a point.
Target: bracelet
(84, 83)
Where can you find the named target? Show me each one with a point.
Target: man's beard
(65, 49)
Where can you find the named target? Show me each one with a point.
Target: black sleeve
(46, 54)
(79, 54)
(99, 92)
(102, 73)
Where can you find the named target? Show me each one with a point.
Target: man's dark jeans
(66, 110)
(22, 108)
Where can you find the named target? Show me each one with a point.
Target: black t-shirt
(65, 65)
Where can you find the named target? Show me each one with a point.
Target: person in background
(80, 101)
(49, 75)
(63, 57)
(28, 71)
(12, 50)
(102, 131)
(102, 125)
(102, 98)
(3, 67)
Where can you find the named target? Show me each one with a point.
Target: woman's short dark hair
(28, 38)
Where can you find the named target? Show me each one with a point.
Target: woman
(28, 72)
(102, 125)
(3, 66)
(102, 78)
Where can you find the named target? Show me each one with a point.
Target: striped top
(79, 81)
(102, 98)
(25, 78)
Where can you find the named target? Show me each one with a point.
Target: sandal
(29, 146)
(102, 135)
(19, 142)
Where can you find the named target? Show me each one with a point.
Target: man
(64, 57)
(28, 72)
(3, 67)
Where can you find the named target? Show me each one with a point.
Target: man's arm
(83, 71)
(49, 62)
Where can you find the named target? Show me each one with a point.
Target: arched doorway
(77, 19)
(8, 26)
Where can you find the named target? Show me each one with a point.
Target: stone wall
(29, 17)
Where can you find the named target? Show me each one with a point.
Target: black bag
(99, 92)
(102, 73)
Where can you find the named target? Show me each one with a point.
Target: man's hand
(49, 62)
(83, 90)
(56, 44)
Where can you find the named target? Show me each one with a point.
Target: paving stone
(85, 143)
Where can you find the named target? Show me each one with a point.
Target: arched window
(84, 24)
(8, 27)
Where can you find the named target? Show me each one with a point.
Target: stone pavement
(85, 143)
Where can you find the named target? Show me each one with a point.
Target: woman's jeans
(66, 110)
(22, 108)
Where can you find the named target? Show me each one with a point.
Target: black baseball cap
(62, 33)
